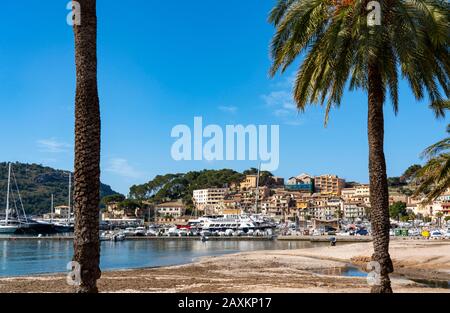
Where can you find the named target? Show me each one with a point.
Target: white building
(211, 197)
(362, 191)
(324, 212)
(355, 210)
(174, 209)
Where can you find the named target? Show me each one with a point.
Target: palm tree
(434, 176)
(87, 149)
(341, 48)
(439, 216)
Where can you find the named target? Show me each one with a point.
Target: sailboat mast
(70, 189)
(7, 193)
(51, 210)
(257, 189)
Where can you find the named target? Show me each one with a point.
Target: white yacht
(242, 222)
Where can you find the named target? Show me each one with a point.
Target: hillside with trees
(171, 187)
(36, 184)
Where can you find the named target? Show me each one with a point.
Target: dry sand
(305, 270)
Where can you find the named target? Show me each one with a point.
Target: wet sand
(304, 270)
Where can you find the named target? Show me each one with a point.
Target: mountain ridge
(36, 184)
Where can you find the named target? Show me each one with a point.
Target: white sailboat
(6, 225)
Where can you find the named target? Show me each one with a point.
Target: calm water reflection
(50, 256)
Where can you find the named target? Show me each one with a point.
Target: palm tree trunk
(87, 150)
(379, 194)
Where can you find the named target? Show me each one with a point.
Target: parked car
(414, 232)
(362, 232)
(317, 232)
(151, 232)
(447, 233)
(436, 234)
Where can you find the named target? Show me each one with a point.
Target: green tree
(87, 150)
(112, 199)
(171, 187)
(130, 205)
(398, 209)
(341, 48)
(411, 172)
(395, 182)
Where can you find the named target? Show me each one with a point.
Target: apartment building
(209, 198)
(353, 210)
(301, 183)
(249, 181)
(328, 212)
(248, 198)
(277, 205)
(329, 184)
(362, 190)
(359, 193)
(440, 205)
(173, 209)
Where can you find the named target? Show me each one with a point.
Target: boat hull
(8, 229)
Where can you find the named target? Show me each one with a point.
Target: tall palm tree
(341, 48)
(87, 149)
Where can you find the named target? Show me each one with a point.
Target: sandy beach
(303, 270)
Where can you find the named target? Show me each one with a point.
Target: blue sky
(160, 64)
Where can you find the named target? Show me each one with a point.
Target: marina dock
(212, 238)
(142, 238)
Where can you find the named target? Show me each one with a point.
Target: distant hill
(36, 185)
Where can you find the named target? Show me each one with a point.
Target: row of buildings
(303, 197)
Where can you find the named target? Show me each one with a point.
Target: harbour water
(28, 257)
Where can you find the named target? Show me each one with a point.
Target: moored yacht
(235, 222)
(7, 226)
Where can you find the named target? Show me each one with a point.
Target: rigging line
(15, 206)
(20, 198)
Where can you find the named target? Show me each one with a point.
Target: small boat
(140, 231)
(151, 232)
(118, 237)
(106, 236)
(205, 233)
(173, 231)
(129, 231)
